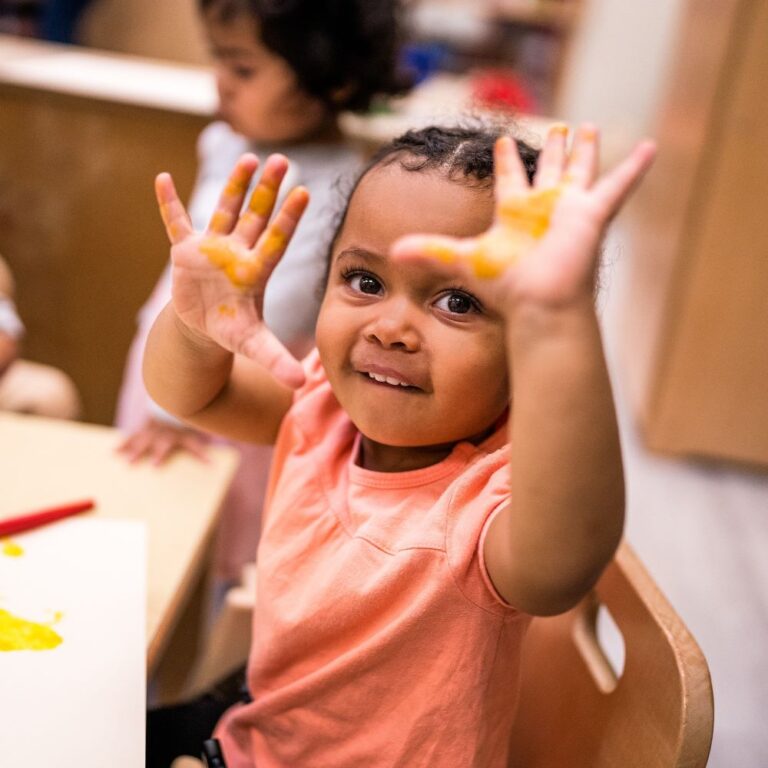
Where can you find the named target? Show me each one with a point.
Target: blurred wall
(618, 63)
(168, 29)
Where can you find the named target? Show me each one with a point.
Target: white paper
(81, 704)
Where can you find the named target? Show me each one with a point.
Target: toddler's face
(414, 353)
(258, 92)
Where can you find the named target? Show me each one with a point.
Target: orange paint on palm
(226, 310)
(522, 221)
(241, 272)
(17, 634)
(529, 214)
(11, 548)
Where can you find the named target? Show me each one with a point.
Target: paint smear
(226, 310)
(11, 548)
(263, 200)
(523, 220)
(17, 634)
(530, 215)
(241, 272)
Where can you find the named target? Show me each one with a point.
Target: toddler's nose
(394, 328)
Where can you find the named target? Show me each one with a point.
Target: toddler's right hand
(219, 276)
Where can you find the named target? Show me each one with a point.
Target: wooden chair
(574, 712)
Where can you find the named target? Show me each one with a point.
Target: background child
(25, 386)
(449, 463)
(284, 71)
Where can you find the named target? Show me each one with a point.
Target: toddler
(447, 461)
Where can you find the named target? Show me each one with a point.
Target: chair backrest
(574, 712)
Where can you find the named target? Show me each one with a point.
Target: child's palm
(219, 276)
(544, 240)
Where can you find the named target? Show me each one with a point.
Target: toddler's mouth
(388, 377)
(389, 380)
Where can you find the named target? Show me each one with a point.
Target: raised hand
(543, 244)
(219, 276)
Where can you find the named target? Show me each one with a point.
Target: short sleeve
(480, 494)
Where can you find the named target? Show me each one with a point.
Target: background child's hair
(343, 52)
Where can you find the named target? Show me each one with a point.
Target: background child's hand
(543, 244)
(158, 440)
(219, 276)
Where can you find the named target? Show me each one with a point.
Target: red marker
(42, 517)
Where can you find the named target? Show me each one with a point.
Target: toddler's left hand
(543, 244)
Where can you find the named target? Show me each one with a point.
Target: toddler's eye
(457, 303)
(243, 73)
(364, 283)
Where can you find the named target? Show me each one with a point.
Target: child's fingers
(273, 242)
(614, 188)
(581, 168)
(262, 202)
(511, 178)
(177, 223)
(263, 347)
(231, 199)
(549, 171)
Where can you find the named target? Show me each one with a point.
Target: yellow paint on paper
(11, 548)
(241, 272)
(17, 634)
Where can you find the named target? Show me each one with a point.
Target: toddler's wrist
(528, 318)
(196, 339)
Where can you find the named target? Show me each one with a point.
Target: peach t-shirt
(379, 640)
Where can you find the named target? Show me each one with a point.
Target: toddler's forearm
(567, 478)
(183, 371)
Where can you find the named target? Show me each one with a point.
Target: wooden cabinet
(696, 322)
(83, 136)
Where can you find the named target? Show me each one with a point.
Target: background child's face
(258, 92)
(416, 323)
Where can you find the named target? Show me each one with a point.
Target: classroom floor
(701, 528)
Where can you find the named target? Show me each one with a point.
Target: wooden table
(44, 462)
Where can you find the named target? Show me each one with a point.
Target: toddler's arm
(565, 519)
(219, 277)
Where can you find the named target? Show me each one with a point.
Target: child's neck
(392, 458)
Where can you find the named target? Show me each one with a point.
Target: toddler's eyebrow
(360, 253)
